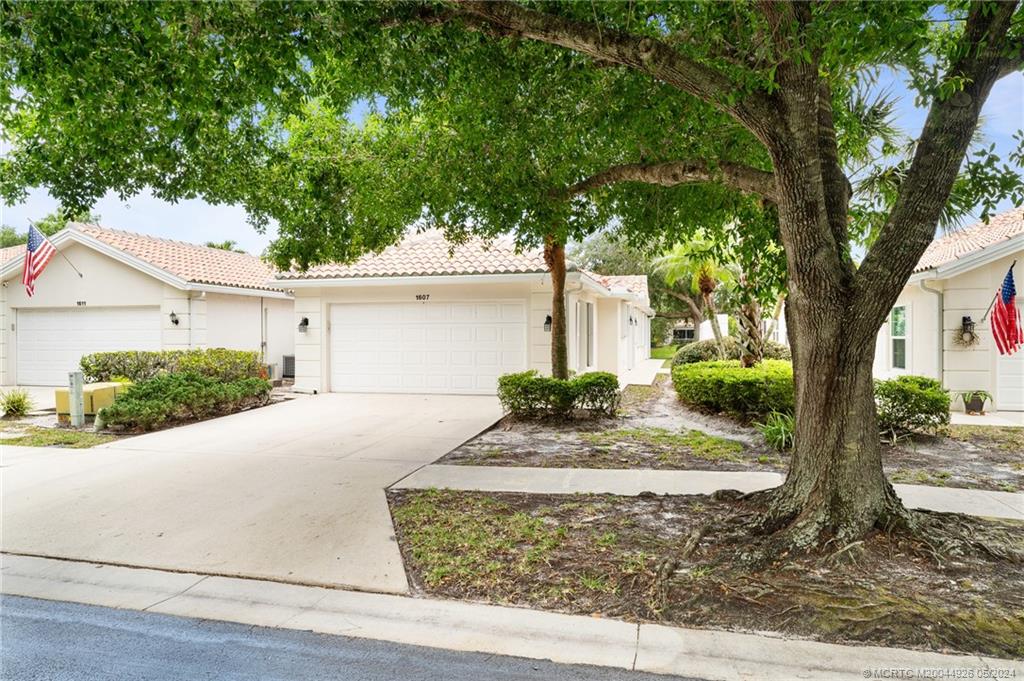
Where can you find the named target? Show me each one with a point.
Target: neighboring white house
(135, 292)
(424, 316)
(954, 282)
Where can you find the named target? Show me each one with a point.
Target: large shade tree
(548, 120)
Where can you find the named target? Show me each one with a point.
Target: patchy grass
(35, 436)
(920, 476)
(624, 557)
(696, 443)
(635, 396)
(995, 437)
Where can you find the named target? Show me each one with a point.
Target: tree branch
(672, 173)
(947, 133)
(695, 309)
(643, 53)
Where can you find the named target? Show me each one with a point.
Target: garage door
(1010, 380)
(454, 347)
(51, 341)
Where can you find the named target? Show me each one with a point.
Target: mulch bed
(617, 557)
(656, 431)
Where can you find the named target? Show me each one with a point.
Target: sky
(197, 221)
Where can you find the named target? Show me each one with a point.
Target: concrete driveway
(291, 492)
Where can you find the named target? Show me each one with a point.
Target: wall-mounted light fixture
(304, 325)
(174, 319)
(967, 336)
(547, 323)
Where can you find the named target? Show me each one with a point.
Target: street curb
(474, 627)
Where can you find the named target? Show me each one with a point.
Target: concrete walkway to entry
(633, 482)
(292, 492)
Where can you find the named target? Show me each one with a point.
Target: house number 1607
(422, 296)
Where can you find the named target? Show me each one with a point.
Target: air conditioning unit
(289, 367)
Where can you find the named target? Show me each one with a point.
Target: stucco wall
(104, 283)
(967, 294)
(212, 320)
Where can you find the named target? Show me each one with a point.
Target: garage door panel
(426, 347)
(1010, 379)
(50, 342)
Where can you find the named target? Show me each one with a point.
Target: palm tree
(692, 261)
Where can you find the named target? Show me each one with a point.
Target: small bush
(530, 395)
(16, 402)
(169, 398)
(726, 387)
(138, 366)
(777, 430)
(707, 351)
(911, 403)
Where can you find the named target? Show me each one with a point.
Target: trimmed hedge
(725, 386)
(139, 366)
(707, 351)
(530, 395)
(911, 403)
(169, 398)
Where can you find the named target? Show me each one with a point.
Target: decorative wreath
(963, 338)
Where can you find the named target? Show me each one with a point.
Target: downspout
(940, 301)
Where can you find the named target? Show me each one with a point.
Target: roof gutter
(940, 301)
(435, 279)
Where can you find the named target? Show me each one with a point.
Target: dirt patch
(622, 557)
(654, 430)
(980, 457)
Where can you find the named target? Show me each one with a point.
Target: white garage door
(51, 341)
(1010, 379)
(459, 347)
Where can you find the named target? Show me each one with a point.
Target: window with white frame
(898, 337)
(585, 324)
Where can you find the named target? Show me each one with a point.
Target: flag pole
(985, 316)
(80, 275)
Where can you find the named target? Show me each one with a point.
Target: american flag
(1006, 326)
(38, 253)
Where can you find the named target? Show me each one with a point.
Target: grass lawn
(665, 352)
(687, 561)
(35, 436)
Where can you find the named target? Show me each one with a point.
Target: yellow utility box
(95, 396)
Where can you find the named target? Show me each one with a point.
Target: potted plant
(974, 400)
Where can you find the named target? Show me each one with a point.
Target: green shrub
(169, 398)
(777, 430)
(528, 394)
(707, 351)
(911, 403)
(726, 387)
(16, 402)
(138, 366)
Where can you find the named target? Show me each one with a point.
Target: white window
(898, 337)
(585, 324)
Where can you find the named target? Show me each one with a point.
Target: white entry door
(1010, 379)
(426, 347)
(50, 341)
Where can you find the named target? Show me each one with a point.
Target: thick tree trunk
(835, 489)
(554, 256)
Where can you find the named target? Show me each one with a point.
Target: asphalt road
(60, 641)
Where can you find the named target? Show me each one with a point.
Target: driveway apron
(292, 492)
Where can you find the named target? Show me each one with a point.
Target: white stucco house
(135, 292)
(427, 317)
(953, 284)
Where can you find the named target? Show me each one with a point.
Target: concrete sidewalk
(454, 625)
(632, 482)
